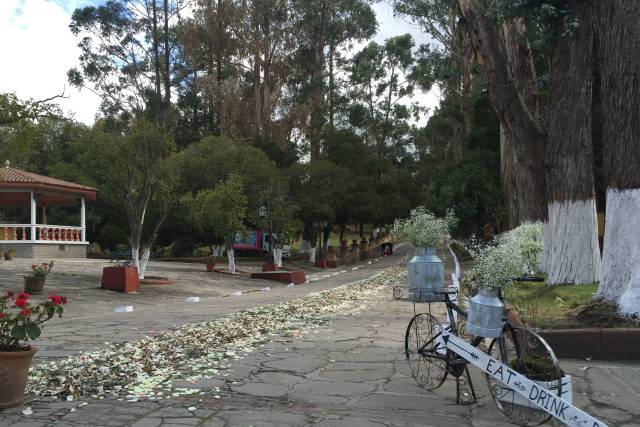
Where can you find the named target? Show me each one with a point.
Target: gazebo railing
(21, 233)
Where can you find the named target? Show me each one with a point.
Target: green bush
(201, 251)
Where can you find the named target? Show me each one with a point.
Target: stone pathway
(349, 373)
(90, 320)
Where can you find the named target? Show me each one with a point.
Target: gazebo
(19, 188)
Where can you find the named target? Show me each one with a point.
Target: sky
(39, 49)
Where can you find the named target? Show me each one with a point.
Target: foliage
(14, 111)
(423, 229)
(41, 270)
(220, 211)
(20, 320)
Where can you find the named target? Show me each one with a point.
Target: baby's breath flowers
(423, 229)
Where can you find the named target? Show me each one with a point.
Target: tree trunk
(317, 99)
(509, 78)
(167, 56)
(312, 254)
(232, 260)
(277, 257)
(135, 256)
(508, 180)
(144, 262)
(619, 34)
(156, 54)
(571, 241)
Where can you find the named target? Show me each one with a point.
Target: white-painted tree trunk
(135, 257)
(277, 256)
(621, 253)
(305, 246)
(312, 256)
(232, 260)
(572, 253)
(217, 250)
(546, 248)
(144, 262)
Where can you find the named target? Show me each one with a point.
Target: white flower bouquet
(527, 241)
(423, 229)
(495, 267)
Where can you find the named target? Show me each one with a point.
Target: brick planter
(121, 279)
(296, 277)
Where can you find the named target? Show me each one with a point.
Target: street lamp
(263, 211)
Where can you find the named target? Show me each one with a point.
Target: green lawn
(547, 306)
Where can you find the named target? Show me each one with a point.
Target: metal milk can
(426, 272)
(486, 314)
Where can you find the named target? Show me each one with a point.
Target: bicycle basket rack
(406, 293)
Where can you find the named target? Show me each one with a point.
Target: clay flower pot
(14, 366)
(211, 266)
(34, 285)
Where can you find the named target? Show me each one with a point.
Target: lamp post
(263, 211)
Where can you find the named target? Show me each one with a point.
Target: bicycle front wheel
(425, 351)
(529, 354)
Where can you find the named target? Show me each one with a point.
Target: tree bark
(167, 56)
(618, 40)
(573, 252)
(317, 98)
(156, 54)
(509, 78)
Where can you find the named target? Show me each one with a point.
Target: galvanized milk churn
(486, 314)
(426, 272)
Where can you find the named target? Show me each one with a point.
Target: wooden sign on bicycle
(533, 392)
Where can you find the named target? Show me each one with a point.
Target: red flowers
(57, 299)
(25, 312)
(10, 294)
(23, 295)
(21, 302)
(3, 315)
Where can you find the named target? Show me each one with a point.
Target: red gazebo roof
(15, 184)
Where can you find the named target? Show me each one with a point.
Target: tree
(318, 189)
(138, 173)
(506, 63)
(126, 50)
(449, 59)
(572, 251)
(14, 111)
(220, 212)
(619, 60)
(380, 78)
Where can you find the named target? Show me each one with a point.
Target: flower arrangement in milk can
(423, 229)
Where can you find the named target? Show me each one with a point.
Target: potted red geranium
(35, 283)
(20, 322)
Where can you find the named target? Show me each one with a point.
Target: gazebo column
(82, 220)
(33, 217)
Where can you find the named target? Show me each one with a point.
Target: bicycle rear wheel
(425, 351)
(529, 354)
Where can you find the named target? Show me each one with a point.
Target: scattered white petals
(148, 369)
(27, 411)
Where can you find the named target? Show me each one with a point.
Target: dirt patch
(602, 315)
